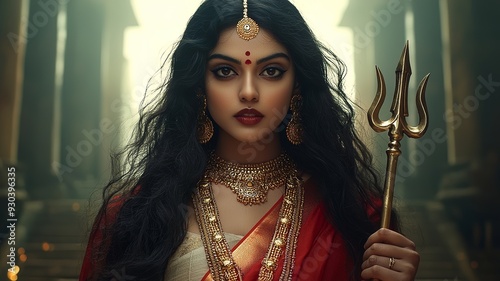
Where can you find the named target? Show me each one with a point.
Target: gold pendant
(247, 28)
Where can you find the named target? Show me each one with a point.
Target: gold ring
(392, 261)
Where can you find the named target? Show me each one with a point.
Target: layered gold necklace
(219, 258)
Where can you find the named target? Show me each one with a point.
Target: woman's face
(249, 85)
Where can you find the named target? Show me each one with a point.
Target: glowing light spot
(75, 207)
(45, 246)
(23, 258)
(11, 275)
(247, 53)
(21, 251)
(248, 62)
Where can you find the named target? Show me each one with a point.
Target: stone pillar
(80, 102)
(115, 102)
(38, 135)
(471, 186)
(487, 81)
(460, 79)
(12, 50)
(425, 157)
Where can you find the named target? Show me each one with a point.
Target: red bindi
(247, 53)
(248, 62)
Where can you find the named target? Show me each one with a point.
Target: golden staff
(397, 125)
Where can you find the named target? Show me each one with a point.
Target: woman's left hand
(389, 256)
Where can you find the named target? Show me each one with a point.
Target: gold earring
(205, 129)
(294, 130)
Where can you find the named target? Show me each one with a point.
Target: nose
(248, 91)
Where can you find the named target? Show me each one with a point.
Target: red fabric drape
(320, 255)
(90, 263)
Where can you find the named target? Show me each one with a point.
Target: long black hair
(143, 217)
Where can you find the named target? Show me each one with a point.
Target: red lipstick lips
(249, 116)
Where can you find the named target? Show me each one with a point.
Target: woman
(248, 166)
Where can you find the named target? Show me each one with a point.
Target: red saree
(320, 255)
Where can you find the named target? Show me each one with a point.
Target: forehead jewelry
(247, 28)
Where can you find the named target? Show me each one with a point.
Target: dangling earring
(205, 129)
(294, 130)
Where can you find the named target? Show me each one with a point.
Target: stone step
(50, 268)
(53, 237)
(59, 230)
(54, 251)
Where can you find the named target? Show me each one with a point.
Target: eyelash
(280, 71)
(217, 72)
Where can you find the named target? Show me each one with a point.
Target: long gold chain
(250, 182)
(219, 258)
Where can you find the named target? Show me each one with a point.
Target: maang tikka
(247, 28)
(294, 130)
(205, 128)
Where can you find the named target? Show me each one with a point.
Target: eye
(273, 72)
(224, 72)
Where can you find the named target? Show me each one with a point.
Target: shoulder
(99, 240)
(112, 207)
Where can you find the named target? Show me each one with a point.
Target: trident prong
(397, 125)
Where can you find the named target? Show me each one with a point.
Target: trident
(397, 125)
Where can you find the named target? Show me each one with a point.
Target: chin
(253, 135)
(261, 138)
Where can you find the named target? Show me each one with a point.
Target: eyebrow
(220, 56)
(259, 61)
(277, 55)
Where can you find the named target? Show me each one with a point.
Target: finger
(389, 263)
(383, 268)
(388, 236)
(381, 273)
(406, 267)
(388, 250)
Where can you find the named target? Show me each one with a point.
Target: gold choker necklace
(250, 182)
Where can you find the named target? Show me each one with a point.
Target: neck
(232, 150)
